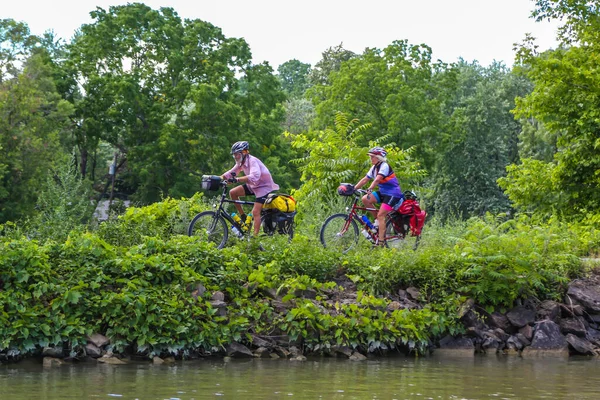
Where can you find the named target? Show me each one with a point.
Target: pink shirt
(260, 181)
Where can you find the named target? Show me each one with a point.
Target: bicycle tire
(331, 236)
(400, 238)
(209, 227)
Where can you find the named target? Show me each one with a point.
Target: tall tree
(294, 77)
(16, 43)
(566, 101)
(482, 140)
(394, 90)
(32, 119)
(171, 95)
(331, 61)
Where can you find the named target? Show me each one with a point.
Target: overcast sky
(280, 30)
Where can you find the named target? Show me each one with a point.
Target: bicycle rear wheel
(397, 234)
(210, 227)
(333, 235)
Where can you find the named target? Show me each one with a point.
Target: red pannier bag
(417, 220)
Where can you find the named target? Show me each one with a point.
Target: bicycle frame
(221, 210)
(353, 214)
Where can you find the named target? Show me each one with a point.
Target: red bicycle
(341, 231)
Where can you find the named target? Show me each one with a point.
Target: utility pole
(112, 171)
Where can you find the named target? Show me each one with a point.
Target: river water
(481, 377)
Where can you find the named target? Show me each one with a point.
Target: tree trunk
(83, 165)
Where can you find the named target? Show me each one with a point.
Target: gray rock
(221, 307)
(586, 293)
(356, 356)
(471, 319)
(580, 345)
(261, 352)
(514, 343)
(523, 339)
(98, 340)
(235, 349)
(93, 351)
(521, 316)
(449, 342)
(549, 309)
(491, 344)
(547, 341)
(345, 350)
(110, 359)
(498, 320)
(260, 342)
(54, 352)
(576, 326)
(593, 335)
(413, 293)
(527, 332)
(218, 295)
(501, 335)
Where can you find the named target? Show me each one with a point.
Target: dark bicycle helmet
(239, 146)
(410, 195)
(378, 151)
(345, 189)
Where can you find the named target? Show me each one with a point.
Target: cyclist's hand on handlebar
(232, 180)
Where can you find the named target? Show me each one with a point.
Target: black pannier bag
(211, 182)
(277, 221)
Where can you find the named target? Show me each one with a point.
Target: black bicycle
(212, 225)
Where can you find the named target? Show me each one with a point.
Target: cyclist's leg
(258, 203)
(384, 210)
(235, 194)
(369, 200)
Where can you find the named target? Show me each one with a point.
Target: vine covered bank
(152, 292)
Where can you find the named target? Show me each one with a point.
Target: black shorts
(248, 192)
(389, 200)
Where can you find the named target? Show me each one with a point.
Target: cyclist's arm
(236, 169)
(361, 182)
(375, 182)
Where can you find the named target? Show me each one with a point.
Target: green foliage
(178, 94)
(481, 141)
(162, 219)
(32, 119)
(299, 114)
(334, 156)
(294, 77)
(565, 101)
(531, 187)
(395, 90)
(143, 291)
(64, 204)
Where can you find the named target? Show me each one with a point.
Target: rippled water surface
(323, 378)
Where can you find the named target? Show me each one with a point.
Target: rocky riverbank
(534, 328)
(530, 329)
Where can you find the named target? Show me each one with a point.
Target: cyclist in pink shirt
(257, 181)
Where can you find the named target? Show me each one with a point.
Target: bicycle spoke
(207, 226)
(338, 233)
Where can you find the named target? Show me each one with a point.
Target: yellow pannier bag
(281, 202)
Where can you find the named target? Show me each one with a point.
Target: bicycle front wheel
(339, 232)
(209, 226)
